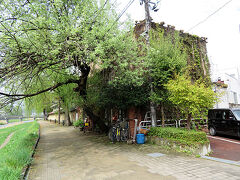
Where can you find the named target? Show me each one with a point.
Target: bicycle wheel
(110, 134)
(113, 137)
(124, 135)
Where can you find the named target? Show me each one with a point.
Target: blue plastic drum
(140, 138)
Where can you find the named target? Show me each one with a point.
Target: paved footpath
(65, 153)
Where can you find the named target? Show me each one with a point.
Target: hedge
(182, 136)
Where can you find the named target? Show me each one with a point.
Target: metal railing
(173, 123)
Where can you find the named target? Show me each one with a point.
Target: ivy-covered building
(194, 46)
(197, 61)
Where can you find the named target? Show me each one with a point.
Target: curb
(27, 168)
(222, 160)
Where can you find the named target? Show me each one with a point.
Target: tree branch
(21, 96)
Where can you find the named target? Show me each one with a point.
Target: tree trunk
(45, 114)
(153, 114)
(96, 120)
(163, 115)
(59, 111)
(189, 121)
(67, 117)
(178, 118)
(82, 89)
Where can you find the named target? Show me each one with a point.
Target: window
(237, 114)
(235, 97)
(226, 115)
(219, 115)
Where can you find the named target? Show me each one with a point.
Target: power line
(209, 15)
(124, 10)
(120, 15)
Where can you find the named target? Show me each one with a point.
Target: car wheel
(212, 131)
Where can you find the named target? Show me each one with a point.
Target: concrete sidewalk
(65, 153)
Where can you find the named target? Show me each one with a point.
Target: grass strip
(5, 132)
(17, 153)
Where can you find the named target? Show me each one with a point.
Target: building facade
(228, 86)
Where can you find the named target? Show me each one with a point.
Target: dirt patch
(7, 140)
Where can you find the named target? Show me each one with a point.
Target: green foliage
(78, 123)
(52, 40)
(104, 94)
(13, 109)
(165, 58)
(178, 135)
(124, 96)
(190, 98)
(122, 61)
(198, 63)
(17, 153)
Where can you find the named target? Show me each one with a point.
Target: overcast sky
(222, 29)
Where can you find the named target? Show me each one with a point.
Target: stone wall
(74, 115)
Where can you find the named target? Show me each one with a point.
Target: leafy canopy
(190, 98)
(48, 44)
(165, 58)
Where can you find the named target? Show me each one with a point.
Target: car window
(237, 114)
(226, 115)
(219, 115)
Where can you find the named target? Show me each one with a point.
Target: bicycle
(119, 131)
(112, 134)
(124, 134)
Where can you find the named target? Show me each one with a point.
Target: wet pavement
(66, 153)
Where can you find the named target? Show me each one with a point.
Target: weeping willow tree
(42, 39)
(64, 97)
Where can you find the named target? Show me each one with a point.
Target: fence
(11, 119)
(175, 123)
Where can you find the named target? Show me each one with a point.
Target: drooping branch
(42, 91)
(81, 87)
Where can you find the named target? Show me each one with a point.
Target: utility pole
(147, 30)
(147, 21)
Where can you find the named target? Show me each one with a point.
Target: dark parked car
(224, 121)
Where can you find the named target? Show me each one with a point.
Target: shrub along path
(65, 153)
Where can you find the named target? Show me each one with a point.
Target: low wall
(54, 117)
(200, 149)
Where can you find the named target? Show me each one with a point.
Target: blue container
(140, 138)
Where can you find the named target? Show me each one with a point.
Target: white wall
(231, 94)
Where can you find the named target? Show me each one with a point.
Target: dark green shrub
(182, 136)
